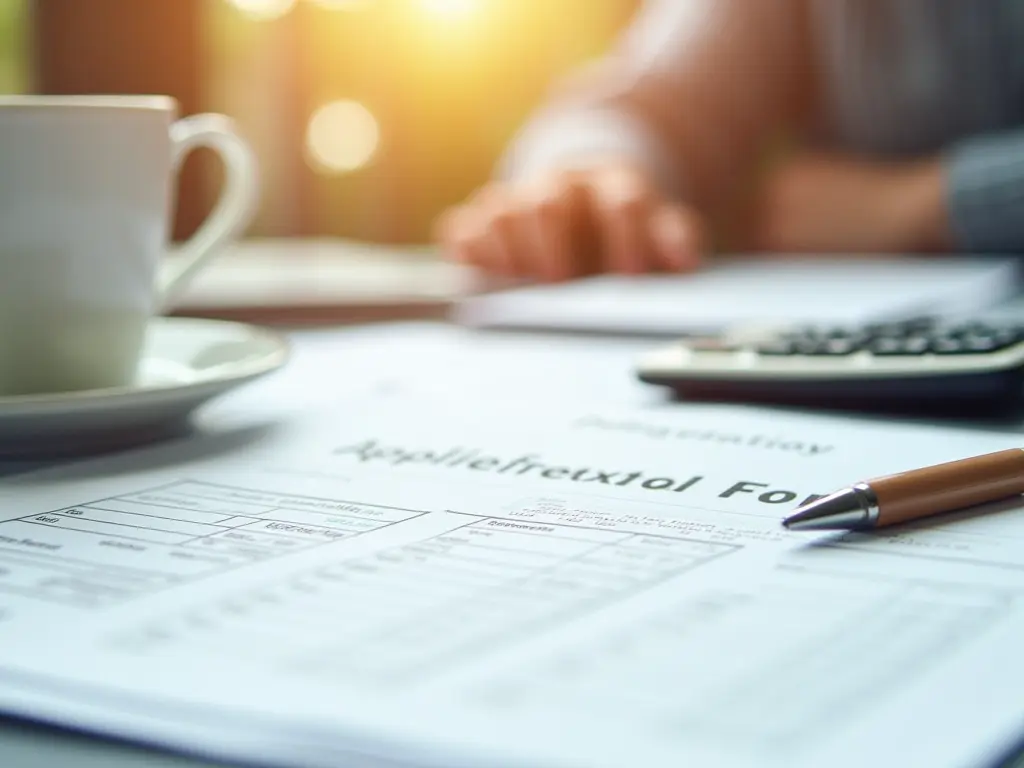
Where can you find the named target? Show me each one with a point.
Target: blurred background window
(369, 116)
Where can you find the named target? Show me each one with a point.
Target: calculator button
(989, 342)
(981, 344)
(776, 347)
(916, 345)
(808, 346)
(836, 346)
(711, 344)
(973, 343)
(889, 345)
(1005, 337)
(908, 345)
(970, 329)
(901, 328)
(835, 341)
(1002, 335)
(950, 345)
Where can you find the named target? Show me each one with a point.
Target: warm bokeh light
(342, 5)
(263, 9)
(342, 137)
(443, 87)
(450, 9)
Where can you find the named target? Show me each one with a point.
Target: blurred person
(873, 126)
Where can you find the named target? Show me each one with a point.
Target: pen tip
(838, 511)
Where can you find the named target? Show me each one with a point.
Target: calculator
(919, 363)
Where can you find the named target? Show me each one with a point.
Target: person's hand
(570, 223)
(827, 204)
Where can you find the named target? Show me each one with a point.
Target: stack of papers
(411, 579)
(753, 290)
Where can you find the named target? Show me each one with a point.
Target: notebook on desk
(844, 290)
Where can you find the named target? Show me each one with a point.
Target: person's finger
(677, 237)
(586, 253)
(622, 204)
(444, 231)
(505, 237)
(548, 227)
(465, 237)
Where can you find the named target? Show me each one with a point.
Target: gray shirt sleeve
(986, 193)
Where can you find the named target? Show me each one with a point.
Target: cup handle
(232, 212)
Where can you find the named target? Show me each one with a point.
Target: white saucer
(185, 363)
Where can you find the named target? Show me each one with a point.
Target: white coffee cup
(86, 197)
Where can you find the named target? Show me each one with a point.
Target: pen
(914, 494)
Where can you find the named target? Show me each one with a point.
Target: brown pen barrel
(950, 486)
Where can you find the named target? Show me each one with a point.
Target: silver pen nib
(853, 508)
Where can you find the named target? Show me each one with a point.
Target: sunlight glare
(263, 10)
(341, 5)
(450, 9)
(342, 137)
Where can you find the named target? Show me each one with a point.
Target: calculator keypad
(912, 338)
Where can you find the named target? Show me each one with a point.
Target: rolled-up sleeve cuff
(574, 138)
(986, 193)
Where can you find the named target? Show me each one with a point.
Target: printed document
(756, 289)
(429, 583)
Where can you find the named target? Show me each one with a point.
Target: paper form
(753, 289)
(588, 589)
